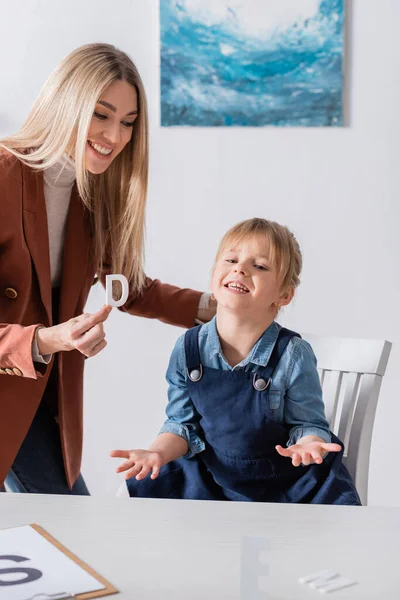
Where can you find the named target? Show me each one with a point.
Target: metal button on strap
(9, 371)
(260, 384)
(196, 374)
(17, 371)
(11, 293)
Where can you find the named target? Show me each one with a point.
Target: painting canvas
(252, 62)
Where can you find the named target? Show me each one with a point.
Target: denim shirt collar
(258, 355)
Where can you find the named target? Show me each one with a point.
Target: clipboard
(63, 595)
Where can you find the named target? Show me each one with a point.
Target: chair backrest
(351, 372)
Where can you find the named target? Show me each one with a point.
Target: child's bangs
(263, 242)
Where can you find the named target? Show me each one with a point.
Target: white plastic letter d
(109, 290)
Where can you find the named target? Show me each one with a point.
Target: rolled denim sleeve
(182, 417)
(304, 408)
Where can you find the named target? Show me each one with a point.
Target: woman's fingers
(88, 335)
(85, 322)
(97, 348)
(84, 333)
(91, 337)
(91, 342)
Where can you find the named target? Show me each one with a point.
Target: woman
(73, 185)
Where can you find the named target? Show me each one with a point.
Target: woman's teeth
(100, 149)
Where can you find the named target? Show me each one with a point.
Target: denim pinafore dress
(240, 431)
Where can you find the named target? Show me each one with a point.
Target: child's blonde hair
(283, 248)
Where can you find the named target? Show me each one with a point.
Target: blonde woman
(73, 185)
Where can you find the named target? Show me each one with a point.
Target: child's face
(245, 280)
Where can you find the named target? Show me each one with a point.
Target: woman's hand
(206, 314)
(84, 333)
(138, 463)
(308, 450)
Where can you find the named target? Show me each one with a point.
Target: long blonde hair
(59, 121)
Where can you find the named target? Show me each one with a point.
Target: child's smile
(237, 287)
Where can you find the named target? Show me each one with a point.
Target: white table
(185, 550)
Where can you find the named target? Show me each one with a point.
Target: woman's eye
(100, 116)
(128, 123)
(261, 267)
(230, 260)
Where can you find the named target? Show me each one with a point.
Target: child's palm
(307, 453)
(138, 463)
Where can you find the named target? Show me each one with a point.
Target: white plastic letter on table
(109, 290)
(252, 567)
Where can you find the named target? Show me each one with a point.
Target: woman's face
(111, 126)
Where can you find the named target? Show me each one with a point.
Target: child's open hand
(138, 463)
(308, 450)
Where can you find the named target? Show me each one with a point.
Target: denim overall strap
(283, 339)
(192, 353)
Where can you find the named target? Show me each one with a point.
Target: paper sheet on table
(30, 564)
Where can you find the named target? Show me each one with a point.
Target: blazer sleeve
(16, 351)
(162, 301)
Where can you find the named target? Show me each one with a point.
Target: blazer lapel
(75, 257)
(36, 231)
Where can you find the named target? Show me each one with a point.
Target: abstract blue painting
(252, 62)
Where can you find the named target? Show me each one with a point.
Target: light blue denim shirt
(295, 393)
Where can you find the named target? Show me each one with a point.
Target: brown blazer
(25, 303)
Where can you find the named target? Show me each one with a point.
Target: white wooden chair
(351, 372)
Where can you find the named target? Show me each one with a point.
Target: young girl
(245, 404)
(73, 184)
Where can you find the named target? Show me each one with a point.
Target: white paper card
(30, 564)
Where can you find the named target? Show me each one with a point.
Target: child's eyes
(256, 266)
